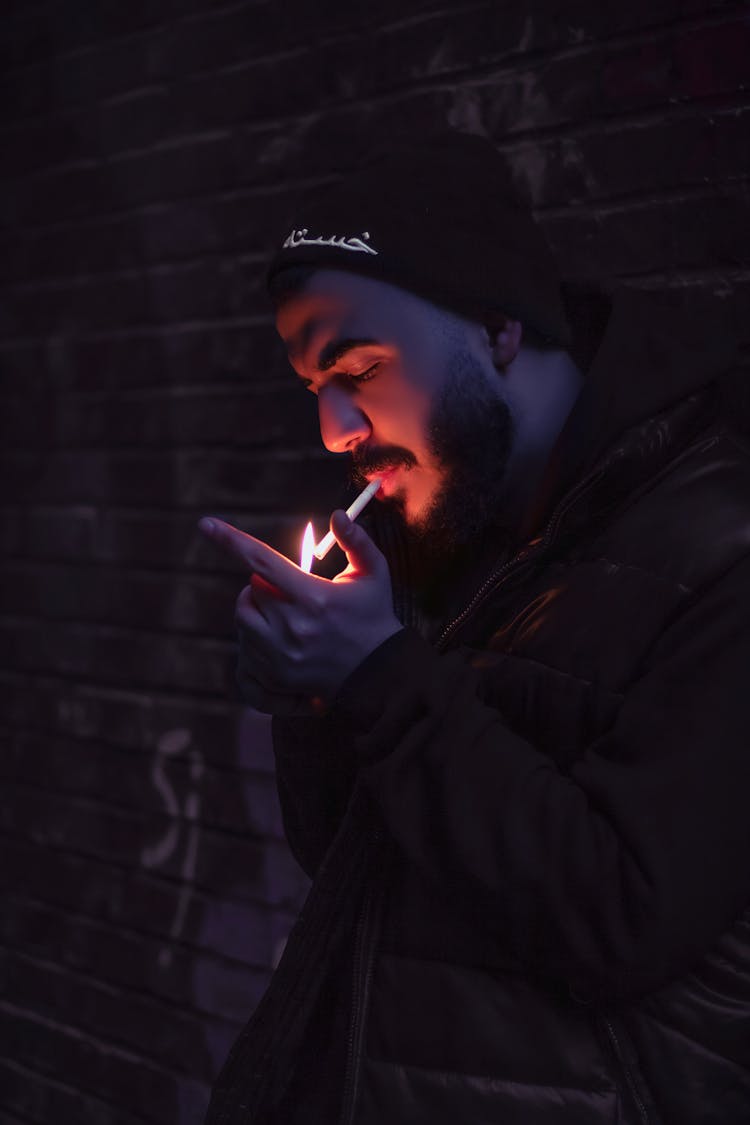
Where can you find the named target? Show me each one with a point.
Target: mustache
(366, 461)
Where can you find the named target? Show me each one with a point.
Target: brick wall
(151, 151)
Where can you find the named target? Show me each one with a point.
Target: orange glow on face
(308, 543)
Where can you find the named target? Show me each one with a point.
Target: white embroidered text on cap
(299, 238)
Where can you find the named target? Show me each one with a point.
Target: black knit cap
(441, 218)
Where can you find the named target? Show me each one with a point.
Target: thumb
(356, 544)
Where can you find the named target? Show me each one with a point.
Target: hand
(300, 635)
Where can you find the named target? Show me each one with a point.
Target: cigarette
(320, 550)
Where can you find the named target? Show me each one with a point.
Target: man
(511, 736)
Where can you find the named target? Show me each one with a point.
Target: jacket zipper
(626, 1071)
(364, 956)
(549, 534)
(499, 576)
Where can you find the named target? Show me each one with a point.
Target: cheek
(422, 488)
(401, 412)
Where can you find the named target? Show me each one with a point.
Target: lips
(386, 478)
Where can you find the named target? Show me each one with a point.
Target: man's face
(410, 391)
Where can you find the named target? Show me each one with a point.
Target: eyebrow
(337, 349)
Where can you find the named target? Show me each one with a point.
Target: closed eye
(359, 377)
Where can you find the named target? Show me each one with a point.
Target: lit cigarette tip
(321, 549)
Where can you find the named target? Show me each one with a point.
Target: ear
(505, 337)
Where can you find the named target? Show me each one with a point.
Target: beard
(470, 436)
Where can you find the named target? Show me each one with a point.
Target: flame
(308, 543)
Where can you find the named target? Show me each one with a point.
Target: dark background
(151, 151)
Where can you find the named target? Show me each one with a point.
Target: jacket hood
(657, 348)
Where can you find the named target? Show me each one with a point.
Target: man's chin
(419, 524)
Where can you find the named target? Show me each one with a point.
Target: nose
(342, 423)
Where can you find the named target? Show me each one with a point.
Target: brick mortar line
(162, 881)
(132, 813)
(139, 510)
(91, 48)
(650, 33)
(220, 390)
(176, 393)
(145, 752)
(158, 686)
(105, 563)
(12, 1115)
(146, 746)
(620, 203)
(266, 452)
(118, 569)
(93, 687)
(288, 914)
(159, 267)
(116, 991)
(56, 1083)
(135, 331)
(229, 196)
(286, 456)
(687, 277)
(57, 1025)
(173, 142)
(536, 133)
(110, 569)
(203, 640)
(738, 7)
(209, 643)
(221, 578)
(134, 873)
(147, 936)
(187, 17)
(162, 81)
(101, 1046)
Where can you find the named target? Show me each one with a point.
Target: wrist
(358, 701)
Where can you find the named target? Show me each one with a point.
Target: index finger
(256, 555)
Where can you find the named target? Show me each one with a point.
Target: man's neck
(549, 378)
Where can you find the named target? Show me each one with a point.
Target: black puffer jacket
(544, 869)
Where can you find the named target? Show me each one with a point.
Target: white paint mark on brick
(527, 35)
(170, 743)
(466, 112)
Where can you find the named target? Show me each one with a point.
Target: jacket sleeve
(614, 876)
(315, 772)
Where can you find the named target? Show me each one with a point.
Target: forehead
(334, 301)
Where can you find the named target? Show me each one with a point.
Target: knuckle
(317, 602)
(303, 630)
